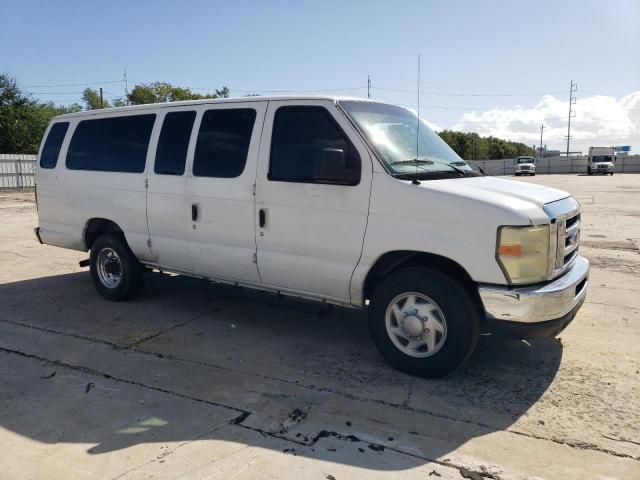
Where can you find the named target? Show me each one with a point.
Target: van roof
(148, 106)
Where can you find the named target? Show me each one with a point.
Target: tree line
(155, 92)
(23, 119)
(472, 146)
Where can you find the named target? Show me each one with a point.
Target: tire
(517, 174)
(589, 172)
(455, 317)
(533, 174)
(115, 271)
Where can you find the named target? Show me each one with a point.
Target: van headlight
(523, 253)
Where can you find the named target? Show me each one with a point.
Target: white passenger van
(343, 201)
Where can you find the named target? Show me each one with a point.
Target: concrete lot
(200, 381)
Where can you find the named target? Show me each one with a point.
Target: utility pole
(475, 147)
(101, 101)
(572, 101)
(541, 130)
(126, 86)
(368, 86)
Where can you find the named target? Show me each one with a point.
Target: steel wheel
(109, 268)
(416, 325)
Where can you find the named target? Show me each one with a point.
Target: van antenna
(415, 180)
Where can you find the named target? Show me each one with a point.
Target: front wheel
(423, 322)
(115, 271)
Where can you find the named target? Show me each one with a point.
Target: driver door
(312, 199)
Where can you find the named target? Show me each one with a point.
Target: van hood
(498, 189)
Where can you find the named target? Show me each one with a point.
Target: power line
(72, 84)
(468, 94)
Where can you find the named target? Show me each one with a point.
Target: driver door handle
(262, 217)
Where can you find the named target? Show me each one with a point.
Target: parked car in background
(344, 201)
(525, 166)
(601, 160)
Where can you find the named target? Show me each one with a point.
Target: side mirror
(330, 166)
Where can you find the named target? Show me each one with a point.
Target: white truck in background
(525, 166)
(601, 160)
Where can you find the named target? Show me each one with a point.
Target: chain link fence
(17, 171)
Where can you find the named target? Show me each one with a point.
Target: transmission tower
(572, 113)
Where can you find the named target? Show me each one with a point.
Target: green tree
(472, 146)
(23, 119)
(91, 99)
(158, 92)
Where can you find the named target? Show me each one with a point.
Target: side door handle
(262, 215)
(194, 212)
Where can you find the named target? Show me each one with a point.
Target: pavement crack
(168, 453)
(315, 388)
(181, 324)
(98, 373)
(620, 439)
(409, 394)
(116, 346)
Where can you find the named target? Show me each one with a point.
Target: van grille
(565, 234)
(568, 241)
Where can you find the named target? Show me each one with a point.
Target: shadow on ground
(191, 360)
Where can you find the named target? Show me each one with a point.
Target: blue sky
(487, 47)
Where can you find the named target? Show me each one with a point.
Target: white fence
(17, 171)
(624, 164)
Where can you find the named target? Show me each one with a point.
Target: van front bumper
(541, 310)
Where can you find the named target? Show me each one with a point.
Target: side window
(115, 144)
(52, 145)
(308, 146)
(223, 142)
(173, 143)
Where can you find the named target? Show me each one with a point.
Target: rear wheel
(423, 322)
(115, 271)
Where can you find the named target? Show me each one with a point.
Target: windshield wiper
(417, 162)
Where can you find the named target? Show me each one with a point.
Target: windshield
(393, 132)
(601, 158)
(525, 160)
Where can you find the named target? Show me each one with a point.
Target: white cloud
(600, 120)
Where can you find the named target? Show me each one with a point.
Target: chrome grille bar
(565, 234)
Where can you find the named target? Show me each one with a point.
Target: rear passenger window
(308, 146)
(173, 143)
(116, 144)
(223, 142)
(52, 145)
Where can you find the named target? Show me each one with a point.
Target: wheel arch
(95, 227)
(395, 260)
